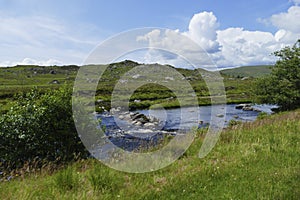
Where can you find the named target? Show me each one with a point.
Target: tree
(282, 86)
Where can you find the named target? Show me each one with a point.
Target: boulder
(138, 123)
(245, 78)
(139, 117)
(54, 82)
(248, 109)
(149, 124)
(52, 72)
(121, 117)
(241, 106)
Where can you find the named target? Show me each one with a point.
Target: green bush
(40, 127)
(282, 86)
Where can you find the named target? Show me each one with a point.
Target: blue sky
(65, 32)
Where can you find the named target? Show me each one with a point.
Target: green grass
(20, 79)
(258, 160)
(248, 71)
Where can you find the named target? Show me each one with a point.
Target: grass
(66, 180)
(258, 160)
(248, 71)
(20, 79)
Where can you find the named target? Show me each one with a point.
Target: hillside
(23, 78)
(248, 71)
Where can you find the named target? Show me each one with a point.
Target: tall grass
(66, 180)
(258, 160)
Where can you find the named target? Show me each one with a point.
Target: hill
(23, 78)
(248, 71)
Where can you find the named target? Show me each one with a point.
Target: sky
(232, 32)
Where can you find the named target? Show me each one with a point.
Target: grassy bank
(258, 160)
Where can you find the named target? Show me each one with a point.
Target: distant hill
(248, 71)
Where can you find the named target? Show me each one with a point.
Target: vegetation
(36, 124)
(39, 127)
(258, 160)
(22, 79)
(282, 86)
(248, 71)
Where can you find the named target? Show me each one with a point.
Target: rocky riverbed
(144, 128)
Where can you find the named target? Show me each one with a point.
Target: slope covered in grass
(20, 79)
(248, 71)
(258, 160)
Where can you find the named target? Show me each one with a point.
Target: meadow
(258, 160)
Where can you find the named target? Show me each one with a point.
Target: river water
(174, 116)
(130, 137)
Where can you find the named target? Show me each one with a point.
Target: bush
(282, 86)
(40, 126)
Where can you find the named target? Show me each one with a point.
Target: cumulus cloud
(288, 20)
(202, 29)
(172, 47)
(288, 24)
(242, 47)
(194, 44)
(233, 46)
(39, 38)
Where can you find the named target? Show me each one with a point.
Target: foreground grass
(258, 160)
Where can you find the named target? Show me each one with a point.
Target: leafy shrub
(282, 86)
(40, 126)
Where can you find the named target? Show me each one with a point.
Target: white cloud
(46, 41)
(288, 20)
(288, 24)
(30, 61)
(168, 46)
(232, 46)
(242, 47)
(202, 29)
(194, 44)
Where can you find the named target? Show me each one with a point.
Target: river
(129, 137)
